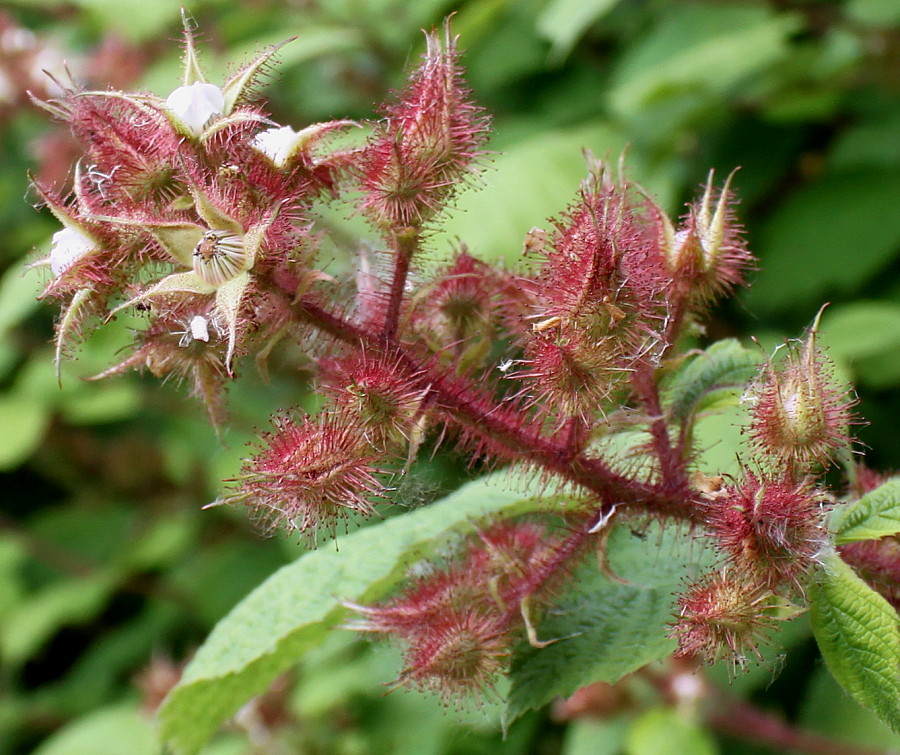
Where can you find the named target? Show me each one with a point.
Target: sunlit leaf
(292, 611)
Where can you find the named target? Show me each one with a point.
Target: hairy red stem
(671, 462)
(481, 414)
(406, 242)
(747, 722)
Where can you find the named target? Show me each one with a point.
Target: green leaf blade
(611, 628)
(875, 515)
(293, 610)
(858, 633)
(668, 730)
(699, 384)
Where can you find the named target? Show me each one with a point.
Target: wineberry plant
(593, 542)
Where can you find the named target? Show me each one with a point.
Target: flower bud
(429, 141)
(721, 617)
(772, 529)
(707, 256)
(68, 247)
(381, 396)
(568, 376)
(308, 473)
(282, 145)
(800, 416)
(466, 309)
(459, 655)
(195, 105)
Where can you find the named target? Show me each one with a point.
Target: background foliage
(110, 574)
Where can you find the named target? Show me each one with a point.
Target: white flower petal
(277, 143)
(195, 104)
(67, 247)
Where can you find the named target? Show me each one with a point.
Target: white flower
(67, 247)
(200, 328)
(195, 104)
(278, 144)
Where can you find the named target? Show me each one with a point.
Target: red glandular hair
(457, 622)
(309, 473)
(770, 529)
(429, 141)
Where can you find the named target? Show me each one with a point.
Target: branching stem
(500, 425)
(744, 721)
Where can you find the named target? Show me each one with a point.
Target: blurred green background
(110, 574)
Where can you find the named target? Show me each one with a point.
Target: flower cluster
(188, 186)
(770, 526)
(456, 623)
(202, 213)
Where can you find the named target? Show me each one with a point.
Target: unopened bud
(459, 655)
(707, 256)
(772, 529)
(800, 415)
(194, 105)
(722, 617)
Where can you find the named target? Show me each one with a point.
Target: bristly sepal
(430, 140)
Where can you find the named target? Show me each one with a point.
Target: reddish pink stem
(508, 432)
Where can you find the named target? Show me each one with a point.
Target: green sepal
(192, 70)
(69, 320)
(239, 83)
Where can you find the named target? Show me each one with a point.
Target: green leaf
(495, 214)
(293, 610)
(12, 557)
(833, 234)
(875, 515)
(705, 380)
(588, 737)
(668, 730)
(162, 542)
(610, 628)
(872, 142)
(564, 21)
(865, 336)
(18, 295)
(860, 329)
(704, 49)
(134, 19)
(109, 402)
(883, 13)
(313, 40)
(117, 730)
(38, 617)
(857, 631)
(828, 710)
(23, 421)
